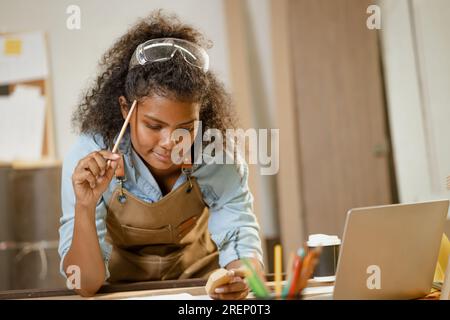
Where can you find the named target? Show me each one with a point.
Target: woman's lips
(162, 157)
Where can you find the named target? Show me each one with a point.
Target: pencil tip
(301, 252)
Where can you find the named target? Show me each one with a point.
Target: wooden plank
(114, 288)
(290, 211)
(49, 148)
(107, 288)
(241, 87)
(343, 132)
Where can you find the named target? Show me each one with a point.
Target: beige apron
(168, 239)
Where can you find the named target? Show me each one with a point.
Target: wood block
(218, 278)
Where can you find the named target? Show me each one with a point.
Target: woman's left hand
(236, 289)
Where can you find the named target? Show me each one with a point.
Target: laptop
(390, 252)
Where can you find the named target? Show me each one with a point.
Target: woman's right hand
(92, 176)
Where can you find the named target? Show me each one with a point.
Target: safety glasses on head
(163, 49)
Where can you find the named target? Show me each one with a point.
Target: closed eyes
(158, 127)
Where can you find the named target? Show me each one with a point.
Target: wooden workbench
(193, 287)
(114, 291)
(142, 290)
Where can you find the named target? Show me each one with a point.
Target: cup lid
(315, 240)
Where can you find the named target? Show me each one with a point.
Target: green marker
(255, 283)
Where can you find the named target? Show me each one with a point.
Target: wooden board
(344, 144)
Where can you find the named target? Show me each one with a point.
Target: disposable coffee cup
(325, 270)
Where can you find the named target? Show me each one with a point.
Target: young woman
(137, 215)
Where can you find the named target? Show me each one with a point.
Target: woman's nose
(166, 140)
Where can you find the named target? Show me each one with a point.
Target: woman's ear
(123, 106)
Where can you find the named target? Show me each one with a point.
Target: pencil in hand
(122, 131)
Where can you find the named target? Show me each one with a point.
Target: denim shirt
(232, 223)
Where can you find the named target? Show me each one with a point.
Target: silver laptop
(390, 252)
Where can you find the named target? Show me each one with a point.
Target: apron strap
(120, 169)
(186, 169)
(121, 177)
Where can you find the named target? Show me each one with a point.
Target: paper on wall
(22, 124)
(23, 57)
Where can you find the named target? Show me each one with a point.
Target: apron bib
(168, 239)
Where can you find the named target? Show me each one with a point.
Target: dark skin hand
(238, 288)
(90, 179)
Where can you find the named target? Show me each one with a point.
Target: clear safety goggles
(163, 49)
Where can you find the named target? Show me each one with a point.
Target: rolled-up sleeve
(232, 224)
(82, 147)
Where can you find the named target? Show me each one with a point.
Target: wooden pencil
(122, 131)
(278, 270)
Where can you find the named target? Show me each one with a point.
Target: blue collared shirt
(232, 223)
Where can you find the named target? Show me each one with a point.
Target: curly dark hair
(99, 111)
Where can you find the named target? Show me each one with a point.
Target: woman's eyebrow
(162, 122)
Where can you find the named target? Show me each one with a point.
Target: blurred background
(358, 88)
